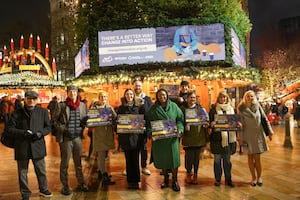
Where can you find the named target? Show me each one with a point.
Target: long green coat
(165, 152)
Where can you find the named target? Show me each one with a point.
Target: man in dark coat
(28, 127)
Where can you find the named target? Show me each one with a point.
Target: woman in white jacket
(252, 134)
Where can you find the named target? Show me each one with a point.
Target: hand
(270, 136)
(28, 134)
(37, 136)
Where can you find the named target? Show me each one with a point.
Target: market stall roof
(28, 79)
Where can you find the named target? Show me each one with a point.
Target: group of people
(69, 118)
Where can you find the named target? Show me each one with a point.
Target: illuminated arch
(39, 57)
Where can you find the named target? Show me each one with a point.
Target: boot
(175, 185)
(166, 181)
(99, 175)
(188, 178)
(107, 179)
(195, 179)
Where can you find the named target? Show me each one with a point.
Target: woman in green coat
(166, 152)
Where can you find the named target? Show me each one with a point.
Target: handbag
(264, 122)
(7, 140)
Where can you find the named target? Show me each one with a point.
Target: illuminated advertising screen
(239, 53)
(162, 44)
(82, 59)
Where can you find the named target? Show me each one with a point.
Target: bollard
(287, 140)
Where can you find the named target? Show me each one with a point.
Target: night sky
(22, 17)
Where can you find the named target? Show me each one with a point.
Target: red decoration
(22, 42)
(38, 44)
(54, 66)
(30, 41)
(12, 45)
(4, 50)
(47, 52)
(32, 58)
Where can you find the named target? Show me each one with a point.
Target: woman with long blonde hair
(252, 135)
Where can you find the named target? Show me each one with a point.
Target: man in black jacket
(28, 126)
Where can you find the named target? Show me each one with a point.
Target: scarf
(227, 137)
(71, 104)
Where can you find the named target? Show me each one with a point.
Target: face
(222, 99)
(184, 88)
(30, 101)
(129, 95)
(72, 94)
(137, 87)
(102, 98)
(162, 96)
(250, 97)
(192, 99)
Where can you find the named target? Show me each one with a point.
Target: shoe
(46, 193)
(195, 179)
(188, 178)
(146, 171)
(107, 179)
(124, 173)
(253, 183)
(217, 183)
(175, 186)
(83, 188)
(230, 184)
(133, 186)
(259, 182)
(166, 182)
(65, 190)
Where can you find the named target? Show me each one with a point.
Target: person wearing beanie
(69, 119)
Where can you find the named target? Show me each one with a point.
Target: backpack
(62, 106)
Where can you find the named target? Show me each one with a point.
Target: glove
(28, 134)
(37, 136)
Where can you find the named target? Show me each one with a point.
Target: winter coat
(165, 152)
(19, 123)
(61, 116)
(131, 141)
(103, 136)
(216, 136)
(197, 135)
(252, 131)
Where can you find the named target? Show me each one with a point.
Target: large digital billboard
(162, 44)
(82, 59)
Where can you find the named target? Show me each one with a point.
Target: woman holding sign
(195, 134)
(130, 139)
(222, 143)
(165, 150)
(103, 135)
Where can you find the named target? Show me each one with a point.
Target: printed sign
(226, 123)
(130, 123)
(163, 129)
(99, 117)
(195, 116)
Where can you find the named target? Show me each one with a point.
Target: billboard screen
(162, 44)
(239, 53)
(82, 59)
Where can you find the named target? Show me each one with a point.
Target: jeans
(225, 159)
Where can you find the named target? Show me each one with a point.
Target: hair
(80, 90)
(246, 94)
(161, 89)
(184, 83)
(190, 93)
(128, 89)
(223, 93)
(102, 92)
